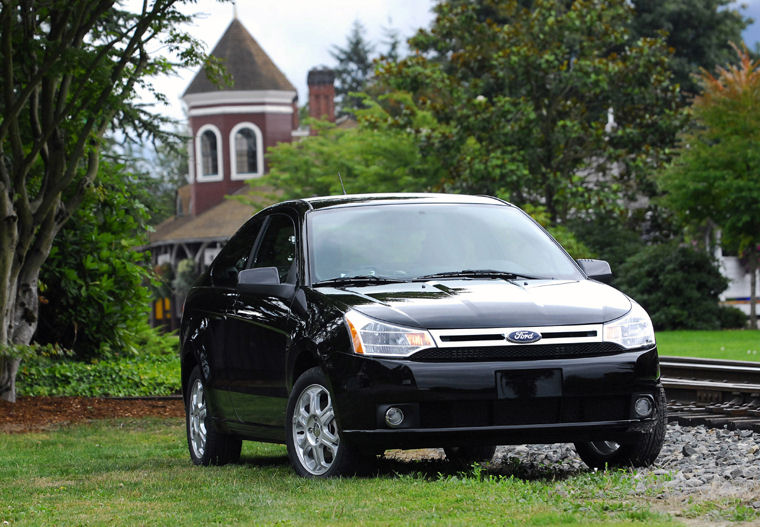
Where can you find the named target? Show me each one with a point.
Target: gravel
(693, 460)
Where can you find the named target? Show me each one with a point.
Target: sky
(298, 34)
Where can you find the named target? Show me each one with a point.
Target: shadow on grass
(265, 461)
(437, 468)
(509, 467)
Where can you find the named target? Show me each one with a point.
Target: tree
(353, 69)
(162, 169)
(699, 31)
(381, 154)
(385, 152)
(356, 65)
(549, 104)
(68, 70)
(716, 176)
(677, 285)
(93, 284)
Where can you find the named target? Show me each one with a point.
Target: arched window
(209, 160)
(246, 151)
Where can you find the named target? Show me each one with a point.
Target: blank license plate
(528, 384)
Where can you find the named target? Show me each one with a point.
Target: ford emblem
(523, 336)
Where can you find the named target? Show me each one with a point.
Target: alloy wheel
(197, 419)
(315, 432)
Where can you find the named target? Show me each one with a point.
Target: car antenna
(341, 183)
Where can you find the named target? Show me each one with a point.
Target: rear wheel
(465, 456)
(207, 445)
(315, 447)
(640, 453)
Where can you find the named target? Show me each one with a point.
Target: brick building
(232, 125)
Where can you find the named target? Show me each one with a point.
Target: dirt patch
(29, 414)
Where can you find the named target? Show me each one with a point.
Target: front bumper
(493, 402)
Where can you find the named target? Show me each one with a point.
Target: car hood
(484, 303)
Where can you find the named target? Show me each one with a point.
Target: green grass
(137, 472)
(737, 344)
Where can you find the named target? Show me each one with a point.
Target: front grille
(525, 352)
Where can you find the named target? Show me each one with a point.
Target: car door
(217, 304)
(263, 328)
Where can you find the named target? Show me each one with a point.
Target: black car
(344, 326)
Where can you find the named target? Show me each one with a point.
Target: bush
(95, 300)
(677, 285)
(155, 373)
(732, 318)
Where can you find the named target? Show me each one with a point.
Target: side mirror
(259, 276)
(596, 270)
(264, 281)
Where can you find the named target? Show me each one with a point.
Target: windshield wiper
(476, 273)
(359, 279)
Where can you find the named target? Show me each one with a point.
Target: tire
(207, 445)
(315, 446)
(641, 453)
(466, 456)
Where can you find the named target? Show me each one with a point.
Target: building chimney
(322, 94)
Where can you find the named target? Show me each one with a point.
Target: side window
(233, 258)
(209, 154)
(278, 248)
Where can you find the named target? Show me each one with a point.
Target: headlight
(634, 330)
(371, 337)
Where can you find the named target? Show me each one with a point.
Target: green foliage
(356, 64)
(186, 276)
(716, 177)
(524, 96)
(20, 351)
(154, 372)
(354, 68)
(699, 31)
(732, 318)
(161, 168)
(611, 238)
(95, 299)
(562, 234)
(677, 285)
(381, 154)
(717, 173)
(69, 72)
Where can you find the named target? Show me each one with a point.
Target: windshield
(408, 242)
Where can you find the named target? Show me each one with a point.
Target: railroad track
(711, 392)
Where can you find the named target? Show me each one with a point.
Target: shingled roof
(248, 65)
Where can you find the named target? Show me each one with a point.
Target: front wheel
(640, 453)
(207, 445)
(315, 447)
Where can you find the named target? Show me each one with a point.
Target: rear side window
(278, 248)
(233, 258)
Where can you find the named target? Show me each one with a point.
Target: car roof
(323, 202)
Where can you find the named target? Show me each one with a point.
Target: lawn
(737, 344)
(137, 472)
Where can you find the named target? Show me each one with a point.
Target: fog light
(643, 407)
(394, 416)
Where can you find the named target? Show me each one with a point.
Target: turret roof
(245, 61)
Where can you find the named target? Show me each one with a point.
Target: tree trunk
(8, 370)
(753, 290)
(19, 292)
